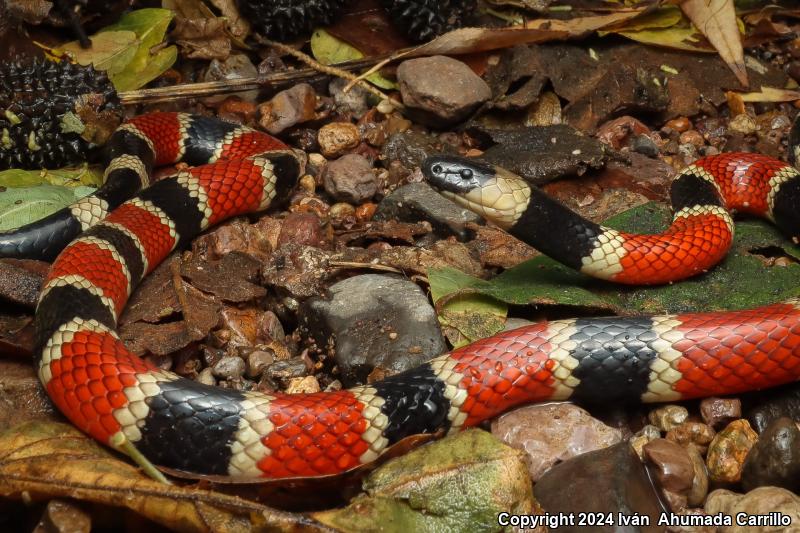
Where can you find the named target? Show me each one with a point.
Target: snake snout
(456, 174)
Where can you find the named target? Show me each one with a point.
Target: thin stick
(211, 88)
(333, 71)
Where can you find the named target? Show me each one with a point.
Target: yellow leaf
(111, 51)
(329, 50)
(771, 94)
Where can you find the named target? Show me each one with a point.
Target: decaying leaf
(770, 94)
(44, 460)
(716, 19)
(329, 50)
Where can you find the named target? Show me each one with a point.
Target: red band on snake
(121, 400)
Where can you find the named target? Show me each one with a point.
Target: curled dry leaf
(770, 94)
(45, 460)
(716, 19)
(581, 25)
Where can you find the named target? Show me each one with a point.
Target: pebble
(644, 145)
(301, 229)
(206, 377)
(288, 108)
(761, 501)
(305, 385)
(417, 202)
(354, 101)
(679, 124)
(668, 417)
(697, 493)
(341, 210)
(672, 465)
(366, 211)
(337, 138)
(642, 437)
(269, 328)
(719, 412)
(308, 183)
(350, 179)
(744, 124)
(727, 452)
(360, 314)
(773, 404)
(257, 361)
(775, 459)
(692, 137)
(234, 67)
(286, 369)
(229, 367)
(433, 102)
(551, 433)
(692, 432)
(611, 480)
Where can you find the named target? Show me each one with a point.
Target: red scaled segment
(501, 372)
(152, 233)
(164, 129)
(689, 246)
(87, 381)
(250, 143)
(743, 179)
(314, 434)
(233, 187)
(96, 265)
(728, 353)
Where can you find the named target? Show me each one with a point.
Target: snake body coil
(122, 400)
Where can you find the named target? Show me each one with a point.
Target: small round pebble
(727, 452)
(206, 377)
(336, 138)
(257, 361)
(229, 367)
(719, 412)
(679, 124)
(642, 437)
(305, 385)
(668, 417)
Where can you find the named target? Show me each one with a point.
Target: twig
(367, 266)
(211, 88)
(333, 71)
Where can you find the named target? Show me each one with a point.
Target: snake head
(455, 174)
(490, 191)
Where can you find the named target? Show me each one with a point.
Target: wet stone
(288, 108)
(697, 493)
(287, 369)
(727, 452)
(350, 179)
(611, 480)
(775, 459)
(696, 433)
(770, 405)
(206, 377)
(375, 321)
(640, 439)
(257, 361)
(668, 417)
(437, 104)
(671, 463)
(719, 412)
(229, 367)
(552, 433)
(416, 202)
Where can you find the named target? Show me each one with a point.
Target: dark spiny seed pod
(422, 20)
(286, 19)
(43, 112)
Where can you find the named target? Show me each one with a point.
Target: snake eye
(437, 169)
(466, 173)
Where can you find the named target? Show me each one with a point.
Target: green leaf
(150, 26)
(329, 50)
(25, 205)
(111, 51)
(67, 177)
(743, 279)
(459, 483)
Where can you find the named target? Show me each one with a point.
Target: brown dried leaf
(582, 25)
(43, 460)
(716, 19)
(770, 94)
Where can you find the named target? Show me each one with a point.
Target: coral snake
(155, 415)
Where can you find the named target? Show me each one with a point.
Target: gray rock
(374, 321)
(411, 148)
(644, 145)
(440, 91)
(287, 369)
(350, 179)
(354, 100)
(775, 458)
(611, 480)
(415, 202)
(229, 367)
(257, 361)
(769, 405)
